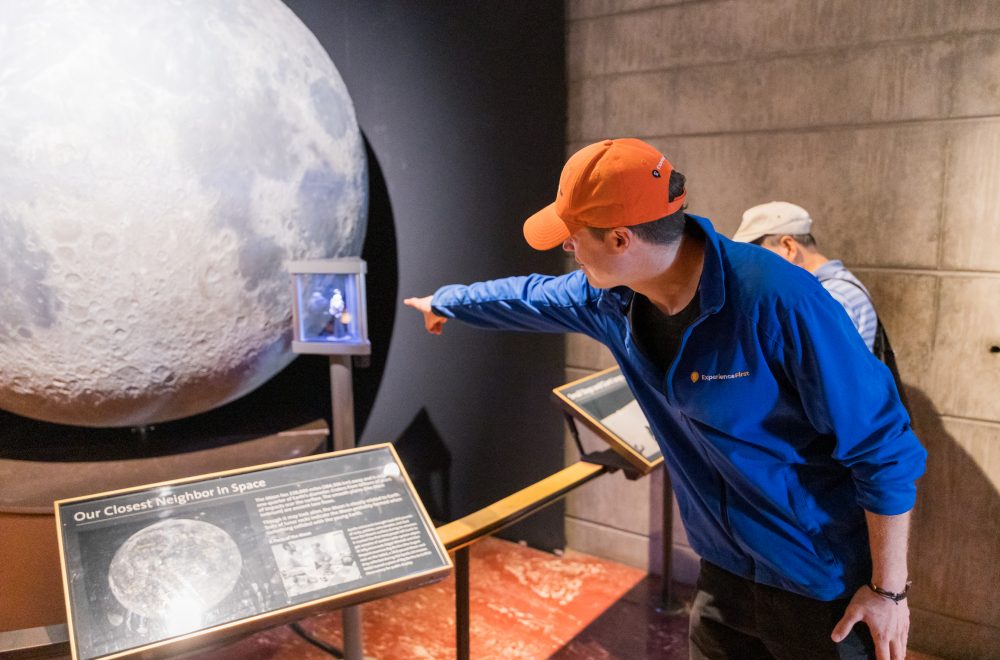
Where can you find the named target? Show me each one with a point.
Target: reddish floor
(524, 604)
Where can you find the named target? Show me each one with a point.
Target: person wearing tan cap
(790, 454)
(785, 229)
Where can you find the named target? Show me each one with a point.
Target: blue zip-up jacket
(778, 425)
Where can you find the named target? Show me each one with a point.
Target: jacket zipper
(724, 506)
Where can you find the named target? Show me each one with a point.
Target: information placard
(164, 568)
(605, 404)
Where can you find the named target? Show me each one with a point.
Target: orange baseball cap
(614, 183)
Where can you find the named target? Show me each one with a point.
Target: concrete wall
(883, 119)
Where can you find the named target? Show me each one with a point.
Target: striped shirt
(852, 294)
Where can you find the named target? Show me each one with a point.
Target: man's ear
(789, 247)
(619, 238)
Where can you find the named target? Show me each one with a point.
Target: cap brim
(545, 230)
(745, 236)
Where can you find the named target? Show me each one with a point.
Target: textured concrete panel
(947, 637)
(613, 501)
(893, 82)
(586, 353)
(744, 86)
(907, 305)
(965, 374)
(977, 83)
(625, 547)
(582, 352)
(955, 548)
(972, 197)
(873, 192)
(585, 111)
(712, 32)
(656, 510)
(684, 559)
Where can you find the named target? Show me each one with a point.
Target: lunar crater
(161, 162)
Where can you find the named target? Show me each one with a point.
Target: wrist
(891, 578)
(894, 596)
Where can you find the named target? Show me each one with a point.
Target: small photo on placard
(315, 562)
(605, 404)
(166, 568)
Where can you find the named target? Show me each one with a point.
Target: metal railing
(457, 536)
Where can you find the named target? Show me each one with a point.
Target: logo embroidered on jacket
(695, 376)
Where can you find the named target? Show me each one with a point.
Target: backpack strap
(881, 347)
(888, 358)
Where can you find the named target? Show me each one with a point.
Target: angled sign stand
(162, 569)
(605, 405)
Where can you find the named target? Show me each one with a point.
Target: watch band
(891, 595)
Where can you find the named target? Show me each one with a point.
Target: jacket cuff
(887, 500)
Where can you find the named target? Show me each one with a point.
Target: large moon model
(159, 161)
(177, 567)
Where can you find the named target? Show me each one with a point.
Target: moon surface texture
(159, 161)
(177, 567)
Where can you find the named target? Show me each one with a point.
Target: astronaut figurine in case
(329, 312)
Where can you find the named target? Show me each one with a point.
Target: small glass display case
(329, 312)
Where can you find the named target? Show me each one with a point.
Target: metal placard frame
(217, 633)
(621, 446)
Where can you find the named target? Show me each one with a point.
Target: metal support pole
(462, 603)
(342, 402)
(667, 602)
(353, 639)
(342, 413)
(666, 591)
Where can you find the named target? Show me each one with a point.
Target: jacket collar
(711, 288)
(713, 279)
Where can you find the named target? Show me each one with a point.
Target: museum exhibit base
(457, 537)
(667, 601)
(176, 566)
(604, 404)
(29, 557)
(460, 534)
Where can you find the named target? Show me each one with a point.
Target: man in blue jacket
(791, 456)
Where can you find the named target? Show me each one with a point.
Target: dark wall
(463, 106)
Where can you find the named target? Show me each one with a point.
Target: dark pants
(733, 618)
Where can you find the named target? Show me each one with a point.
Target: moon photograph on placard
(175, 569)
(160, 161)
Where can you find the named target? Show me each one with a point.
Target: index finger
(417, 303)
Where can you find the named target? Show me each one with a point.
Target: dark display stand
(604, 403)
(171, 567)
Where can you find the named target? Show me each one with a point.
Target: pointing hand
(432, 322)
